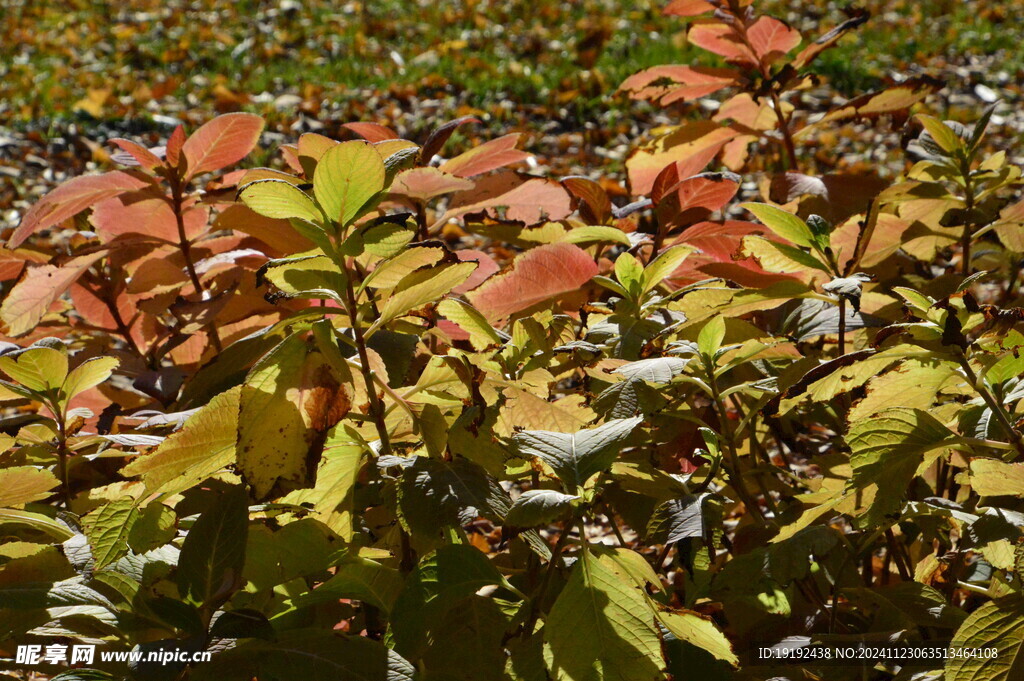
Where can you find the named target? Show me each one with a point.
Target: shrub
(382, 415)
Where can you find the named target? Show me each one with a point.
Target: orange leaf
(537, 275)
(721, 39)
(772, 38)
(672, 82)
(30, 299)
(688, 8)
(71, 198)
(894, 99)
(372, 132)
(694, 144)
(223, 141)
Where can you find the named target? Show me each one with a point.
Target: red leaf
(772, 38)
(537, 275)
(719, 245)
(594, 205)
(372, 132)
(695, 198)
(488, 156)
(857, 17)
(671, 83)
(688, 8)
(507, 196)
(441, 135)
(223, 141)
(71, 198)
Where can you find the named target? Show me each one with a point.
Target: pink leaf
(146, 215)
(484, 269)
(537, 275)
(135, 155)
(71, 198)
(225, 140)
(488, 156)
(423, 184)
(507, 196)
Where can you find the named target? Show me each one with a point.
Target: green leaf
(347, 176)
(305, 276)
(307, 654)
(204, 446)
(290, 399)
(213, 553)
(994, 478)
(280, 199)
(677, 519)
(88, 374)
(420, 288)
(154, 527)
(662, 267)
(361, 579)
(711, 336)
(389, 273)
(37, 368)
(577, 457)
(596, 233)
(775, 256)
(630, 273)
(538, 507)
(481, 334)
(997, 624)
(433, 494)
(468, 643)
(332, 496)
(788, 226)
(886, 452)
(602, 628)
(942, 134)
(242, 623)
(108, 528)
(442, 579)
(35, 521)
(699, 631)
(23, 484)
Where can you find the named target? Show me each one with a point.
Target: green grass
(485, 50)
